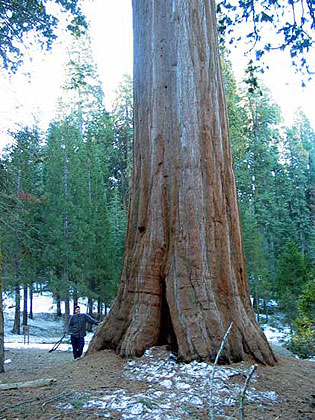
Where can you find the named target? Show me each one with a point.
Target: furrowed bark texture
(184, 276)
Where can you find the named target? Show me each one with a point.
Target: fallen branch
(53, 398)
(29, 384)
(106, 387)
(213, 368)
(56, 345)
(251, 372)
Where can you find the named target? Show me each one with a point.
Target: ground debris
(168, 381)
(28, 384)
(155, 386)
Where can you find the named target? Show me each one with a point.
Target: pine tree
(299, 153)
(258, 172)
(291, 276)
(86, 180)
(64, 214)
(123, 129)
(303, 340)
(20, 202)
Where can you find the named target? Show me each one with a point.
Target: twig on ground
(52, 399)
(105, 387)
(249, 376)
(213, 368)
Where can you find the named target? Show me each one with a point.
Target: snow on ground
(45, 328)
(275, 336)
(168, 381)
(276, 329)
(186, 384)
(43, 302)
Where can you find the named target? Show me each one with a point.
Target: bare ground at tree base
(293, 381)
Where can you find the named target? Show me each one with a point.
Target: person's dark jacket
(77, 324)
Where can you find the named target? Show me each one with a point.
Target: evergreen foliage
(274, 170)
(18, 18)
(123, 129)
(291, 276)
(20, 212)
(63, 219)
(289, 24)
(303, 340)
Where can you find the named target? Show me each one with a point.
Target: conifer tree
(63, 211)
(20, 202)
(290, 279)
(299, 152)
(123, 125)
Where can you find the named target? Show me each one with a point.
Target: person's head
(77, 309)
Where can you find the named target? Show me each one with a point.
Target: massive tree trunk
(184, 276)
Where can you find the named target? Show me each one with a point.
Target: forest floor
(154, 386)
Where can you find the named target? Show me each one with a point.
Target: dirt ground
(293, 380)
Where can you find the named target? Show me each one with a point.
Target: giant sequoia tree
(184, 275)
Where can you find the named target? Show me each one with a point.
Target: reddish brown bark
(184, 276)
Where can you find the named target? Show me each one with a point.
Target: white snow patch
(43, 302)
(45, 328)
(275, 336)
(174, 390)
(167, 383)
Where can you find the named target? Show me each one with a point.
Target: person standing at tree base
(77, 330)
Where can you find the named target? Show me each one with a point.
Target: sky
(25, 100)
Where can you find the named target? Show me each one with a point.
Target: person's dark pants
(77, 346)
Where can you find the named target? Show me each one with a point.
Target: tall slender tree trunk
(31, 316)
(25, 300)
(267, 315)
(75, 296)
(66, 235)
(257, 300)
(67, 310)
(90, 312)
(17, 315)
(99, 308)
(58, 302)
(184, 277)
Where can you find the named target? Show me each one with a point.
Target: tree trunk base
(131, 335)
